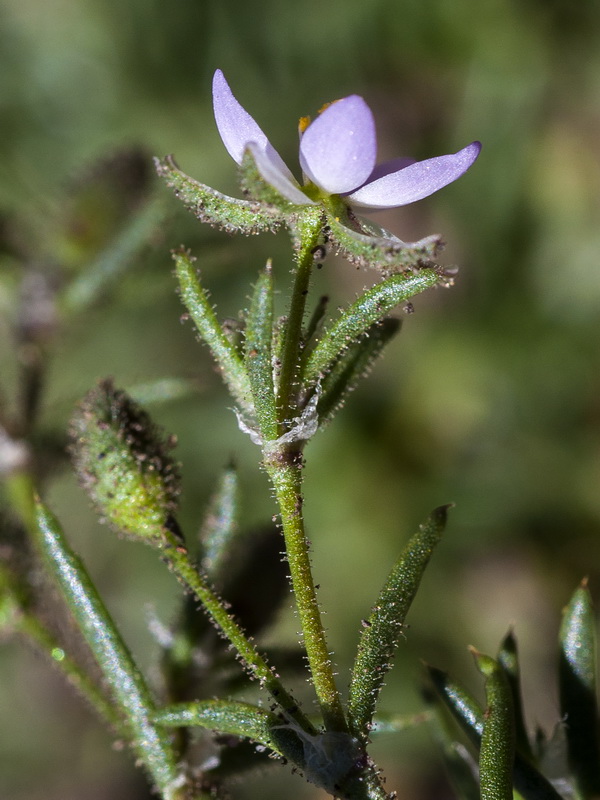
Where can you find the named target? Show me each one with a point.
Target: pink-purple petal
(388, 167)
(339, 148)
(415, 181)
(273, 175)
(237, 128)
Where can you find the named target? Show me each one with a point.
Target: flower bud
(122, 462)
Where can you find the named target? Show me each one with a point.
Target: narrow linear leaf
(577, 675)
(353, 365)
(130, 691)
(497, 747)
(110, 264)
(220, 523)
(374, 247)
(219, 210)
(223, 716)
(382, 631)
(508, 658)
(357, 319)
(197, 303)
(258, 355)
(469, 715)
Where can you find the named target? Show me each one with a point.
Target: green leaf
(370, 246)
(578, 703)
(224, 352)
(463, 707)
(121, 673)
(383, 629)
(95, 279)
(227, 213)
(220, 524)
(373, 306)
(222, 716)
(528, 781)
(508, 658)
(497, 746)
(258, 355)
(354, 364)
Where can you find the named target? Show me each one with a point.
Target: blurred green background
(490, 397)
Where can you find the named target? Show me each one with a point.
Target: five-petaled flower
(338, 152)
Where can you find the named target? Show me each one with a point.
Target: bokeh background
(490, 397)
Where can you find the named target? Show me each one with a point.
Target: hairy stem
(179, 561)
(285, 475)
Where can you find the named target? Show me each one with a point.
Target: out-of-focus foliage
(488, 398)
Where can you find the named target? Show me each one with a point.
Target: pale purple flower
(338, 151)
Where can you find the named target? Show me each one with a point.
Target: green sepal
(119, 670)
(197, 302)
(578, 703)
(258, 354)
(497, 746)
(220, 524)
(469, 715)
(383, 629)
(354, 364)
(373, 306)
(110, 264)
(208, 205)
(366, 245)
(122, 462)
(508, 659)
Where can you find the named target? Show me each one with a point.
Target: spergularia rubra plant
(288, 377)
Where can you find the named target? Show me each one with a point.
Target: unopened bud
(122, 462)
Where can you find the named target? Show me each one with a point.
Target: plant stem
(283, 467)
(309, 234)
(179, 561)
(285, 475)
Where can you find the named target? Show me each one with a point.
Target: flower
(338, 152)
